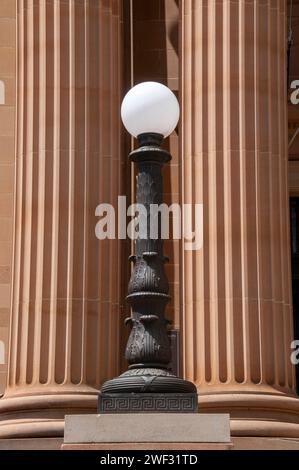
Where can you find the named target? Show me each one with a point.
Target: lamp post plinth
(148, 385)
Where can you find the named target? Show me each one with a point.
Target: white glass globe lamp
(150, 108)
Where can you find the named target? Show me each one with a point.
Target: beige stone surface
(5, 228)
(238, 443)
(148, 446)
(8, 9)
(7, 149)
(7, 30)
(7, 60)
(264, 443)
(149, 427)
(31, 444)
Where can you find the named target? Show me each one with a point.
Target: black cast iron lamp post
(150, 112)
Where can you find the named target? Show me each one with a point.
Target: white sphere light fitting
(150, 107)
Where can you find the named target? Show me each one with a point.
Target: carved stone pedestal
(151, 431)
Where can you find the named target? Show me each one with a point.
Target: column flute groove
(50, 378)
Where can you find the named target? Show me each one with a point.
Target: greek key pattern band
(148, 403)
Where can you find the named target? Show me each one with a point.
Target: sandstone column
(237, 315)
(65, 301)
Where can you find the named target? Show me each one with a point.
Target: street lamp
(150, 112)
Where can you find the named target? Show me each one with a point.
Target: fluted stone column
(66, 289)
(237, 314)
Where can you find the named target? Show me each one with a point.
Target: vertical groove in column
(48, 85)
(40, 184)
(258, 326)
(227, 156)
(243, 222)
(102, 286)
(236, 193)
(196, 192)
(93, 281)
(276, 198)
(212, 181)
(87, 13)
(112, 254)
(71, 193)
(187, 298)
(114, 281)
(78, 197)
(219, 159)
(49, 376)
(62, 201)
(32, 274)
(186, 99)
(264, 202)
(246, 142)
(14, 338)
(28, 171)
(205, 183)
(250, 242)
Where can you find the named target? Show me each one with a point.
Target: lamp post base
(148, 390)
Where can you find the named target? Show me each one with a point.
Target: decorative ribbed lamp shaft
(148, 385)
